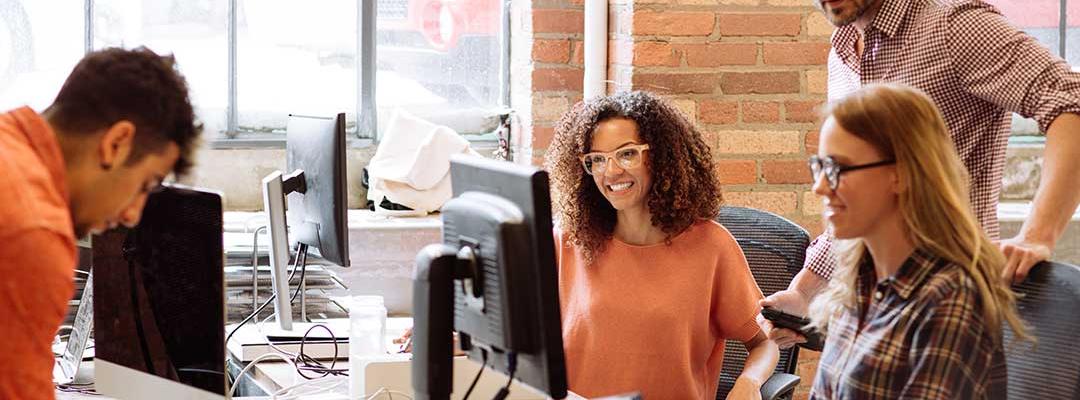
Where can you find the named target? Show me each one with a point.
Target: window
(251, 63)
(1042, 20)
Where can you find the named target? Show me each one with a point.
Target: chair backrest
(1049, 301)
(775, 249)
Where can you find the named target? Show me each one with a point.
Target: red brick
(783, 203)
(551, 51)
(815, 226)
(558, 79)
(674, 23)
(812, 142)
(796, 53)
(760, 112)
(760, 24)
(579, 53)
(558, 21)
(736, 172)
(541, 137)
(655, 54)
(718, 112)
(760, 82)
(802, 111)
(785, 171)
(719, 54)
(667, 83)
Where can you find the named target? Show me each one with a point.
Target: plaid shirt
(974, 65)
(917, 335)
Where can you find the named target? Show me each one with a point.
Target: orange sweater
(37, 253)
(654, 318)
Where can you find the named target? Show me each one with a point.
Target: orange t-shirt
(654, 318)
(37, 253)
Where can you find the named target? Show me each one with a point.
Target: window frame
(366, 106)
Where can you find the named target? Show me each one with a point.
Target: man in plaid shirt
(978, 69)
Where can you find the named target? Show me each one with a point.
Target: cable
(272, 298)
(388, 392)
(232, 390)
(505, 391)
(483, 354)
(311, 364)
(255, 265)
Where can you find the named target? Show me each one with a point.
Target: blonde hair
(903, 124)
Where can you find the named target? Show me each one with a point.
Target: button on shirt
(921, 337)
(974, 65)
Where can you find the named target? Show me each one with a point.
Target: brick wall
(749, 73)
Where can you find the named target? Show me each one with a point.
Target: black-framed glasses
(595, 163)
(833, 169)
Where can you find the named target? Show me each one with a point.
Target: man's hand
(790, 301)
(1020, 255)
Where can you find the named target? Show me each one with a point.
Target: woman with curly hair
(650, 285)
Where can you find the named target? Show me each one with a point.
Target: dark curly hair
(136, 85)
(684, 183)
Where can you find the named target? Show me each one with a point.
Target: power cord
(313, 365)
(232, 390)
(483, 354)
(505, 391)
(296, 264)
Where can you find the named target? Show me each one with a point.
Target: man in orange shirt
(120, 124)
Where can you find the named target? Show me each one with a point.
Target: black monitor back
(318, 217)
(519, 311)
(159, 298)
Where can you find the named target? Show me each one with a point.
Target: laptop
(67, 365)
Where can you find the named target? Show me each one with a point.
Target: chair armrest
(778, 386)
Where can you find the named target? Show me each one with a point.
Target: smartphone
(814, 340)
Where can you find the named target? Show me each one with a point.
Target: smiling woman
(640, 260)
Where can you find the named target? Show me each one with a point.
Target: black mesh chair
(1049, 301)
(775, 249)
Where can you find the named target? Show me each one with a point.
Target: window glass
(40, 41)
(194, 32)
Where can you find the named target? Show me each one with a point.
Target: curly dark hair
(684, 183)
(136, 85)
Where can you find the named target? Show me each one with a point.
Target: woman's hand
(745, 388)
(406, 339)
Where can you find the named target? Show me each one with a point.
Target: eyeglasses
(833, 169)
(595, 163)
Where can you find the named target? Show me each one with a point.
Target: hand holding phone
(814, 339)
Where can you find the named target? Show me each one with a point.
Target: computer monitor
(316, 191)
(159, 301)
(493, 280)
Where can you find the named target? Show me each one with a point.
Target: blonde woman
(916, 307)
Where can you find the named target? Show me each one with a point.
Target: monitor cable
(483, 354)
(512, 367)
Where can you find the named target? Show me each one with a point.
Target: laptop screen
(159, 291)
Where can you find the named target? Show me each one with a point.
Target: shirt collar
(890, 16)
(888, 21)
(43, 140)
(918, 267)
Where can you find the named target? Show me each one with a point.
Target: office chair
(775, 249)
(1049, 302)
